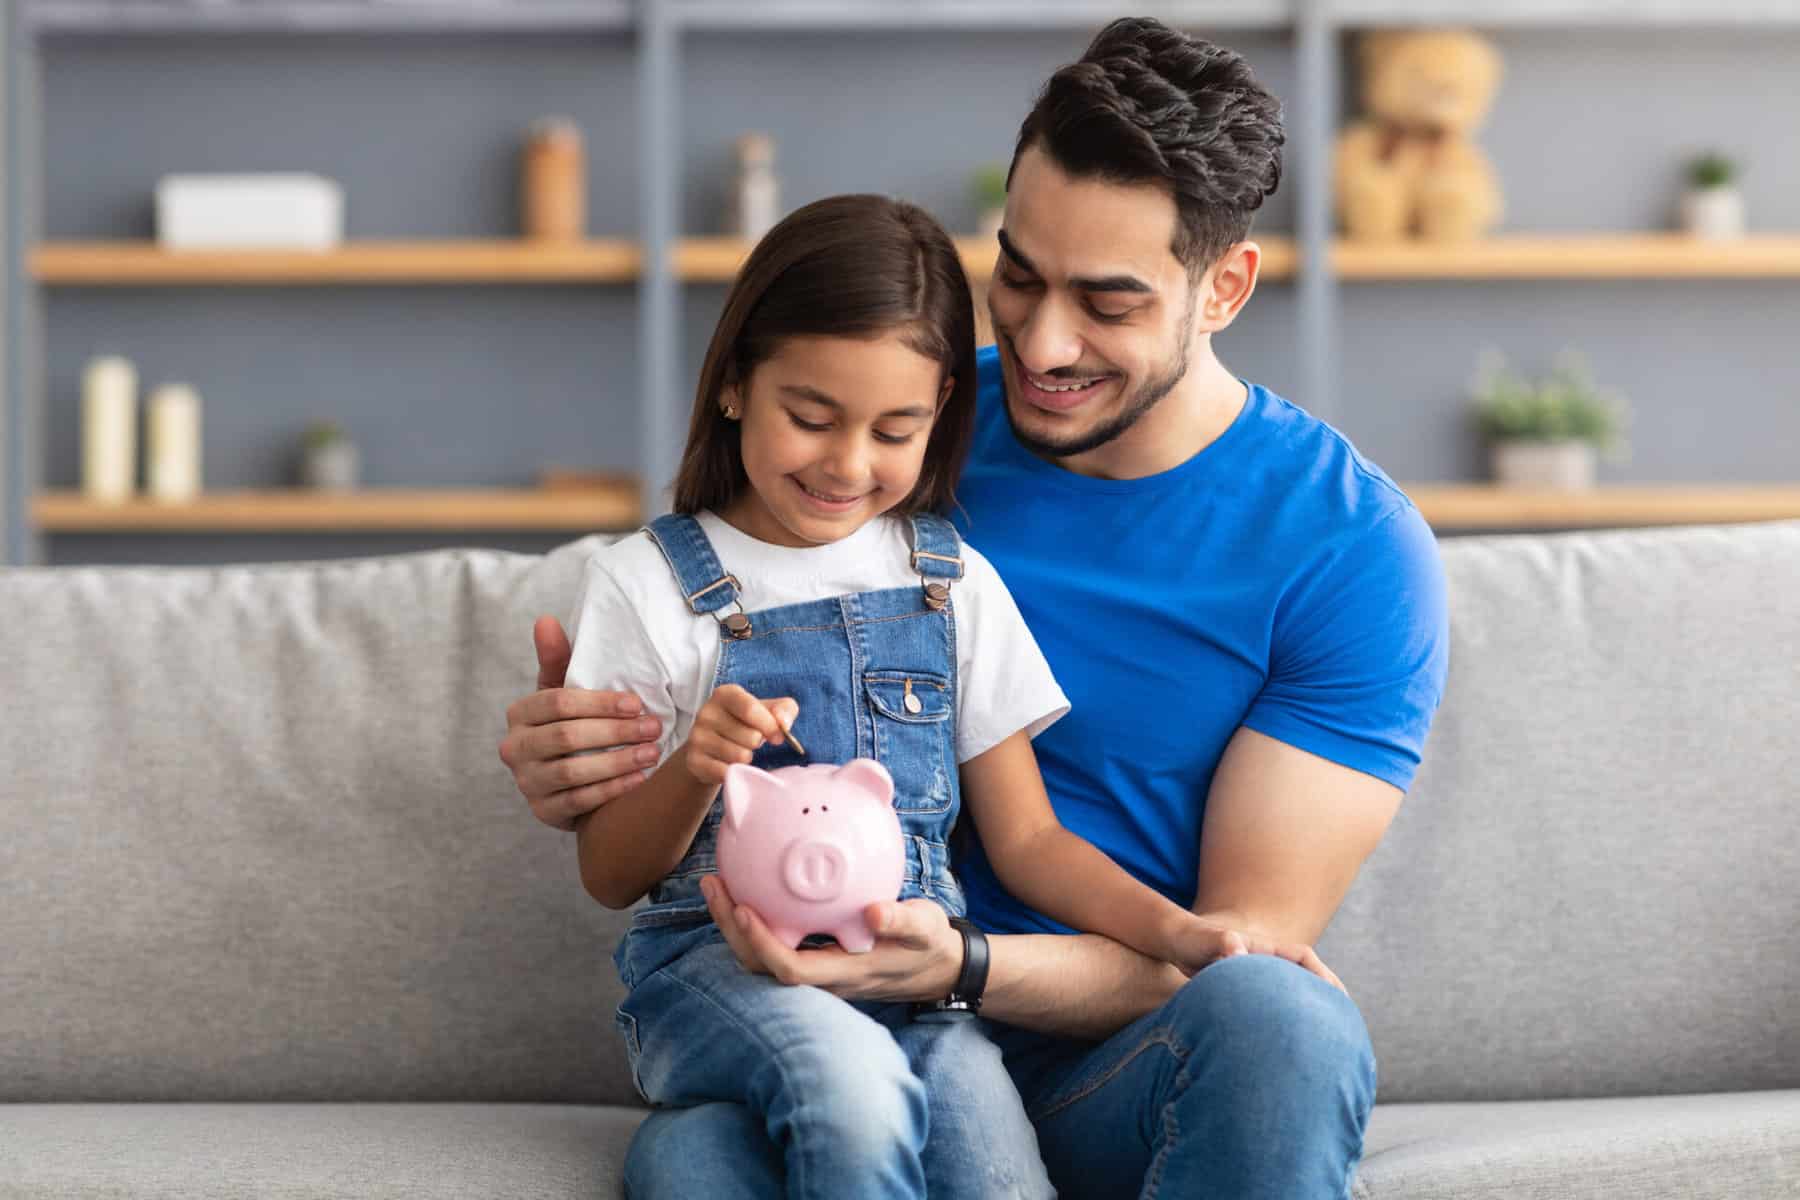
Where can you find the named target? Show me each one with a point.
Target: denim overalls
(837, 1084)
(875, 677)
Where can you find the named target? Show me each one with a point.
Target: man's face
(1092, 310)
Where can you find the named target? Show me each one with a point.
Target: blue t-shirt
(1276, 579)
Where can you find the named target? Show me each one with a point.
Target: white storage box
(262, 212)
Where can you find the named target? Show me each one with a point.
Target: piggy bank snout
(816, 868)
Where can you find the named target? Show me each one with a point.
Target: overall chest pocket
(915, 736)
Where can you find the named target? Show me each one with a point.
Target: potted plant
(329, 459)
(1548, 433)
(1712, 206)
(988, 189)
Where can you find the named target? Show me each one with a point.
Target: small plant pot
(1715, 213)
(333, 467)
(1567, 466)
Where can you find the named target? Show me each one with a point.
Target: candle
(172, 466)
(108, 428)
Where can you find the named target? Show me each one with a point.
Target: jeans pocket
(913, 725)
(634, 1050)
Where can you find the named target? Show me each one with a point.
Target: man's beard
(1138, 403)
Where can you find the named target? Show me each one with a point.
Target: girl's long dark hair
(847, 266)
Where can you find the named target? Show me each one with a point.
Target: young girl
(809, 580)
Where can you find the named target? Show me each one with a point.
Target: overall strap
(706, 585)
(936, 556)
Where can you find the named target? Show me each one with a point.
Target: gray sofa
(274, 922)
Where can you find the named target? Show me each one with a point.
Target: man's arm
(1284, 834)
(1084, 986)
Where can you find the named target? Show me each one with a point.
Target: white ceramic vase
(332, 467)
(1716, 213)
(1567, 466)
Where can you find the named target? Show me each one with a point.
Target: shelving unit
(657, 260)
(1573, 256)
(1469, 508)
(1449, 508)
(717, 260)
(136, 264)
(373, 510)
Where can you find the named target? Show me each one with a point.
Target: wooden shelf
(115, 17)
(1446, 506)
(576, 510)
(1573, 256)
(717, 259)
(1475, 506)
(123, 264)
(697, 260)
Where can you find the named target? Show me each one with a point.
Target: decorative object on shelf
(553, 181)
(755, 192)
(172, 444)
(1410, 166)
(108, 429)
(988, 188)
(329, 460)
(1712, 207)
(272, 211)
(1548, 433)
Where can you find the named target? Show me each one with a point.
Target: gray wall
(485, 385)
(1588, 134)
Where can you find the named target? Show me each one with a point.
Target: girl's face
(834, 434)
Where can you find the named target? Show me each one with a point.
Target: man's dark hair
(1147, 103)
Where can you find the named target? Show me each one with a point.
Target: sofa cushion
(1590, 890)
(256, 841)
(1733, 1147)
(367, 1151)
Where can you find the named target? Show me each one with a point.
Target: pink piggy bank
(808, 848)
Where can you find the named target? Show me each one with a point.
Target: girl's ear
(731, 403)
(944, 392)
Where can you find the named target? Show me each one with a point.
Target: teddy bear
(1409, 166)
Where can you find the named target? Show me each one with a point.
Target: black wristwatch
(971, 981)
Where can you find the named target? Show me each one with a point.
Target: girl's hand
(730, 727)
(1196, 943)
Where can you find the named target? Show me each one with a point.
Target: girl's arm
(1061, 875)
(633, 840)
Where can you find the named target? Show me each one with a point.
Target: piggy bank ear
(744, 783)
(869, 776)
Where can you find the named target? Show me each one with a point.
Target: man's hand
(1197, 942)
(917, 955)
(546, 730)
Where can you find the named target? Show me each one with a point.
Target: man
(1249, 620)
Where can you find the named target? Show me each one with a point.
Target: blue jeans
(1255, 1080)
(822, 1098)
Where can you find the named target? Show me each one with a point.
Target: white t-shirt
(634, 632)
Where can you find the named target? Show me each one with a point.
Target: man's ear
(1227, 286)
